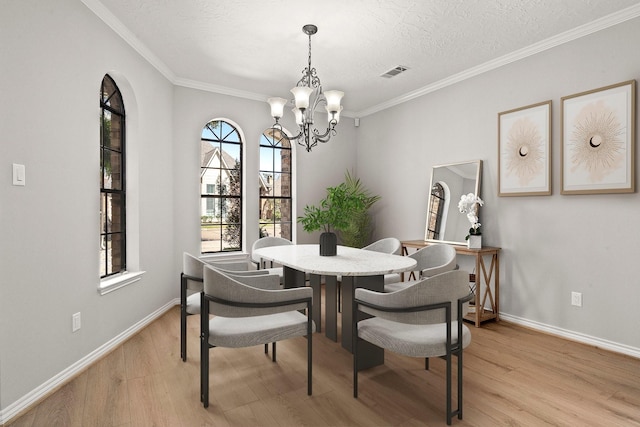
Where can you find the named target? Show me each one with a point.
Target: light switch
(18, 174)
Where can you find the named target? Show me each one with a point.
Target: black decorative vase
(328, 244)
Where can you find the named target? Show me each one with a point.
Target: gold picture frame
(524, 151)
(598, 140)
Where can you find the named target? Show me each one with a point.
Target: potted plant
(333, 213)
(358, 233)
(469, 204)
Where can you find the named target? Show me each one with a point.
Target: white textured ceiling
(256, 48)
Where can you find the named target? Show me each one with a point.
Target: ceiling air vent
(394, 71)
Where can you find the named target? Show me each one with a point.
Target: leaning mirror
(449, 182)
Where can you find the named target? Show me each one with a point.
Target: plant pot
(328, 244)
(474, 241)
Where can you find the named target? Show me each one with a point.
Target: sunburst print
(597, 145)
(524, 152)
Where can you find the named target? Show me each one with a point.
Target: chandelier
(305, 105)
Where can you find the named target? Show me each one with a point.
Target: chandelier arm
(297, 137)
(325, 137)
(277, 126)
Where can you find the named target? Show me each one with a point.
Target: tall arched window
(221, 187)
(276, 171)
(112, 180)
(435, 211)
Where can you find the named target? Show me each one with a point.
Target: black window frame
(221, 195)
(275, 141)
(112, 104)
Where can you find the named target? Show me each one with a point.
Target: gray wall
(53, 57)
(551, 245)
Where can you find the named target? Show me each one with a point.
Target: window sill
(111, 284)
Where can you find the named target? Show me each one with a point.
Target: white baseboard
(34, 396)
(574, 336)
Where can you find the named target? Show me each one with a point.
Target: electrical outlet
(576, 299)
(75, 322)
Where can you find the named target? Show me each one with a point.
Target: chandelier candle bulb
(333, 100)
(298, 114)
(333, 115)
(302, 94)
(277, 107)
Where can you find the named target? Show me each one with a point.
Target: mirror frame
(478, 186)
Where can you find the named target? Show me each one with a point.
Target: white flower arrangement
(468, 204)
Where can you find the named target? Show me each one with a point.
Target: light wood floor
(513, 377)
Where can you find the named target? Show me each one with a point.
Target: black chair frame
(451, 349)
(183, 312)
(204, 336)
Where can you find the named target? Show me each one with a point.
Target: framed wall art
(524, 151)
(598, 140)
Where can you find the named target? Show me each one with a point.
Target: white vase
(474, 242)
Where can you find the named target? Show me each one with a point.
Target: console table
(486, 305)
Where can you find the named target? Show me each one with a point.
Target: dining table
(354, 268)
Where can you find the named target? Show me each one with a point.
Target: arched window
(112, 180)
(276, 171)
(435, 211)
(221, 187)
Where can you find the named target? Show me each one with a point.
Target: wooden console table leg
(478, 289)
(484, 278)
(497, 282)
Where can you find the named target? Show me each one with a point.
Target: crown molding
(573, 34)
(222, 90)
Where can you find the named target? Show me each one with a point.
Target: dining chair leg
(448, 374)
(183, 318)
(354, 347)
(204, 352)
(309, 362)
(273, 351)
(460, 384)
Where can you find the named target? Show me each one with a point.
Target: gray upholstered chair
(191, 288)
(423, 320)
(388, 245)
(248, 311)
(264, 242)
(431, 260)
